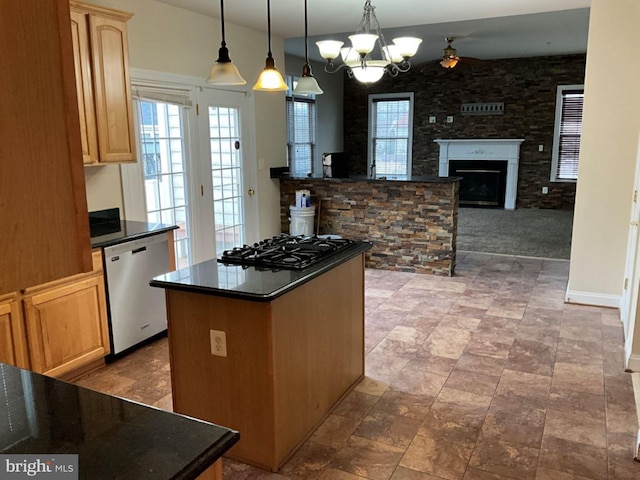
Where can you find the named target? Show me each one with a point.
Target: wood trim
(172, 250)
(99, 10)
(84, 87)
(17, 339)
(96, 261)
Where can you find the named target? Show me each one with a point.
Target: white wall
(164, 38)
(329, 137)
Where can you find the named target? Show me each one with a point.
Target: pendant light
(307, 85)
(224, 72)
(270, 79)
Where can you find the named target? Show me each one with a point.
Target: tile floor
(487, 375)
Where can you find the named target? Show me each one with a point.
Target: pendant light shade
(270, 79)
(307, 85)
(224, 72)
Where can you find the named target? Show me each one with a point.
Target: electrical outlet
(450, 119)
(541, 148)
(432, 119)
(545, 190)
(218, 343)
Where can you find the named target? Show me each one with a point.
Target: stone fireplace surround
(484, 149)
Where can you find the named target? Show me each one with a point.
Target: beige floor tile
(573, 458)
(508, 459)
(576, 428)
(436, 457)
(366, 458)
(578, 377)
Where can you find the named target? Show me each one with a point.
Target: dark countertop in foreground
(128, 230)
(113, 438)
(250, 283)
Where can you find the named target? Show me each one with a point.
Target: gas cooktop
(285, 251)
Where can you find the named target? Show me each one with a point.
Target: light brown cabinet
(101, 59)
(13, 343)
(66, 323)
(43, 206)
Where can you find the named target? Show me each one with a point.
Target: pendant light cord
(269, 25)
(306, 37)
(224, 44)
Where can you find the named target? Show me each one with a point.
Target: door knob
(251, 192)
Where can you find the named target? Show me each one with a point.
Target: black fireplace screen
(483, 182)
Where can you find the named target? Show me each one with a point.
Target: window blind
(390, 137)
(301, 135)
(569, 134)
(173, 96)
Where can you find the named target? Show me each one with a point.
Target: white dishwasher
(136, 310)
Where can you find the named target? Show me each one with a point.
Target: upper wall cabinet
(101, 55)
(43, 203)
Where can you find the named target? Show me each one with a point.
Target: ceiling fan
(450, 58)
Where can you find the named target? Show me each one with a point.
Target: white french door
(228, 188)
(192, 169)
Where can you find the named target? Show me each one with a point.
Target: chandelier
(357, 59)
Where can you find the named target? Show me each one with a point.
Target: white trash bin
(301, 220)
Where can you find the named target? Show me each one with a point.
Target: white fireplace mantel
(476, 149)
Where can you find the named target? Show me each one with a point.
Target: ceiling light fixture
(357, 58)
(450, 56)
(306, 84)
(224, 72)
(270, 79)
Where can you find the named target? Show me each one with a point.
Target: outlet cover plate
(218, 343)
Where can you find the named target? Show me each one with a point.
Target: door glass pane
(226, 176)
(163, 154)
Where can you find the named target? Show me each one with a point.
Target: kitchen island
(112, 437)
(412, 223)
(266, 352)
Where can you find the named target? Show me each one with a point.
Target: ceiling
(487, 29)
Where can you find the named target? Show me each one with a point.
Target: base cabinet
(58, 328)
(67, 326)
(13, 343)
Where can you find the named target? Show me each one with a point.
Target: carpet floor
(523, 232)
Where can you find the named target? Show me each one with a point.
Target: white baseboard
(635, 380)
(633, 364)
(596, 299)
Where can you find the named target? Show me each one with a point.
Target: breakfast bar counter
(268, 352)
(411, 223)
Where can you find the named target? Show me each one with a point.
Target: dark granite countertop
(113, 438)
(250, 283)
(126, 231)
(364, 178)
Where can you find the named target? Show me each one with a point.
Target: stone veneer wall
(412, 225)
(527, 86)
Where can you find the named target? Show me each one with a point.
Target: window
(390, 135)
(301, 130)
(568, 128)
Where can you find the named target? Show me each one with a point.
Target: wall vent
(496, 108)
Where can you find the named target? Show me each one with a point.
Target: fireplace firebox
(483, 184)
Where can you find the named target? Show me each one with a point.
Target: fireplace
(483, 183)
(479, 155)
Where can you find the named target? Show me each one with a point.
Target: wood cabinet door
(13, 347)
(112, 89)
(84, 86)
(67, 326)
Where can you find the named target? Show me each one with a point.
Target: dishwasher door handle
(138, 250)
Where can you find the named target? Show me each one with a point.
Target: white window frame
(374, 98)
(556, 133)
(305, 98)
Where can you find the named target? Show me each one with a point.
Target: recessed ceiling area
(487, 29)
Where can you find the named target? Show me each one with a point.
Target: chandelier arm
(329, 67)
